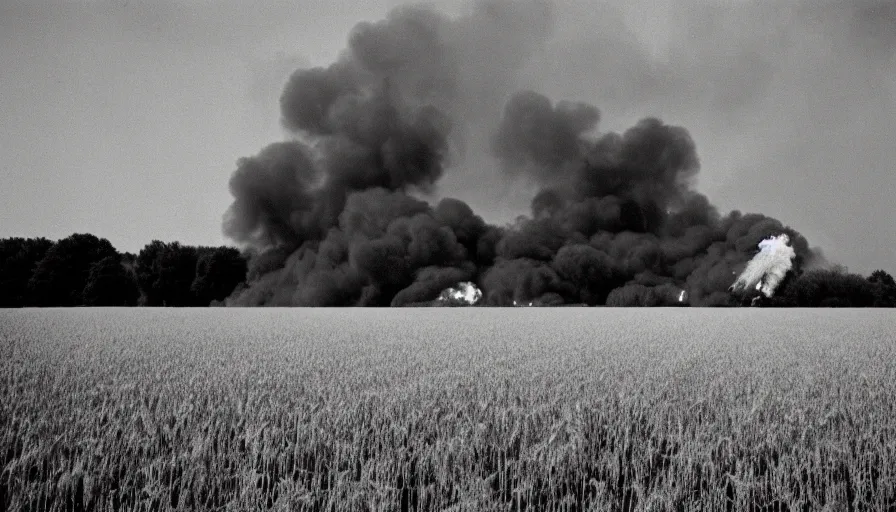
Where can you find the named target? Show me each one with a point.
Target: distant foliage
(18, 260)
(884, 289)
(147, 268)
(177, 271)
(62, 274)
(218, 272)
(171, 274)
(84, 270)
(110, 284)
(826, 288)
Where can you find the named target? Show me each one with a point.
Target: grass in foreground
(448, 409)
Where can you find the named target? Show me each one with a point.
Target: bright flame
(466, 291)
(766, 270)
(681, 296)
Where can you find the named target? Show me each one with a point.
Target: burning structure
(342, 212)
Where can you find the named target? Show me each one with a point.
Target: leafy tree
(829, 288)
(18, 260)
(110, 284)
(884, 289)
(60, 277)
(165, 273)
(177, 274)
(147, 267)
(218, 272)
(129, 260)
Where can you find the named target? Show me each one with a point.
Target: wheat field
(449, 409)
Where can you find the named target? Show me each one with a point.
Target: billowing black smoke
(333, 217)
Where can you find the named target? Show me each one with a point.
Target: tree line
(835, 287)
(84, 270)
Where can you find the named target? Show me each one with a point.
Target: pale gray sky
(125, 119)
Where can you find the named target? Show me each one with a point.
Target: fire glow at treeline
(337, 216)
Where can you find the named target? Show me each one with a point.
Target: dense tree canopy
(825, 288)
(884, 289)
(110, 284)
(176, 271)
(18, 260)
(60, 277)
(218, 272)
(83, 270)
(171, 274)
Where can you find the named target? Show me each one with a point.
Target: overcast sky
(125, 119)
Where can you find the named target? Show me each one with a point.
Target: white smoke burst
(463, 292)
(766, 270)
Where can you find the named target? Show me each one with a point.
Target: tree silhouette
(884, 289)
(218, 272)
(166, 272)
(60, 277)
(829, 288)
(171, 274)
(18, 260)
(110, 284)
(147, 267)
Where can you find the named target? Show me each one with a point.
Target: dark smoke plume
(333, 217)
